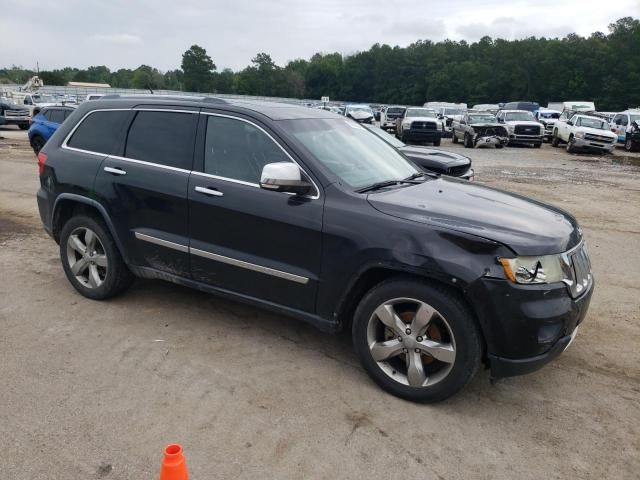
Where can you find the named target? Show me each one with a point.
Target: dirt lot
(95, 390)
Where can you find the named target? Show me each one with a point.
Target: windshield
(453, 111)
(548, 115)
(593, 123)
(43, 99)
(421, 112)
(482, 119)
(355, 156)
(387, 137)
(522, 116)
(635, 117)
(395, 111)
(359, 108)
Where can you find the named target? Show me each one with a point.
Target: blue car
(45, 123)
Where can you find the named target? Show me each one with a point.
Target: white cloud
(125, 39)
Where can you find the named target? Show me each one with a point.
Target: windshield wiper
(386, 183)
(422, 174)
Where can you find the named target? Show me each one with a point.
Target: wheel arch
(67, 205)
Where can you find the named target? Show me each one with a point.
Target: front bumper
(421, 135)
(388, 125)
(489, 140)
(525, 139)
(525, 326)
(590, 144)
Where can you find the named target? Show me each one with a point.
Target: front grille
(597, 138)
(581, 270)
(526, 130)
(16, 113)
(423, 125)
(457, 171)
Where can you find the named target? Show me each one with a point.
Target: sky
(128, 33)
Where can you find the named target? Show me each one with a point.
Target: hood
(526, 226)
(433, 159)
(420, 119)
(359, 114)
(597, 131)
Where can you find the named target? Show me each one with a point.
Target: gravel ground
(96, 389)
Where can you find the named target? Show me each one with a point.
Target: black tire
(117, 277)
(466, 337)
(499, 145)
(467, 141)
(537, 145)
(37, 142)
(24, 126)
(454, 139)
(628, 145)
(555, 141)
(437, 142)
(403, 137)
(570, 147)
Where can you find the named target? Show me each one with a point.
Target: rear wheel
(91, 259)
(37, 142)
(416, 340)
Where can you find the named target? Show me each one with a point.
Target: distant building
(88, 85)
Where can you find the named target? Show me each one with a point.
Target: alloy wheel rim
(87, 258)
(411, 342)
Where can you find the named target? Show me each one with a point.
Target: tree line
(604, 68)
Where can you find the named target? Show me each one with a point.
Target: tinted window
(67, 113)
(46, 114)
(56, 115)
(100, 132)
(238, 150)
(162, 137)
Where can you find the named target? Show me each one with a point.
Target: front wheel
(468, 143)
(24, 126)
(454, 139)
(417, 341)
(537, 145)
(555, 141)
(570, 147)
(628, 144)
(91, 259)
(437, 142)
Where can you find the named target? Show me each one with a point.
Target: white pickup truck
(584, 132)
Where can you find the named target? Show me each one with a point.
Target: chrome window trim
(177, 169)
(233, 117)
(222, 259)
(163, 243)
(249, 266)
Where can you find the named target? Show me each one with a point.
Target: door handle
(209, 191)
(114, 171)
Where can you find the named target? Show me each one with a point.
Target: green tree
(198, 69)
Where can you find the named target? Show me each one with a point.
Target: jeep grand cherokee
(308, 214)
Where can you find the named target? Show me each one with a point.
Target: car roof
(272, 110)
(515, 111)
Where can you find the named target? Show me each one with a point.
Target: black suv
(308, 214)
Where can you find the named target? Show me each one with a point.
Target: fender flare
(100, 208)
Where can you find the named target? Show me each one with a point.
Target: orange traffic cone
(173, 465)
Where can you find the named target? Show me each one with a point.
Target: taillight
(42, 159)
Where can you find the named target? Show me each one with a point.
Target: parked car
(622, 121)
(522, 126)
(448, 112)
(430, 159)
(521, 105)
(13, 114)
(582, 132)
(492, 108)
(45, 123)
(548, 119)
(389, 116)
(419, 124)
(314, 217)
(479, 129)
(359, 113)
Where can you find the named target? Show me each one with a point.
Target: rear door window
(238, 150)
(101, 131)
(56, 115)
(165, 138)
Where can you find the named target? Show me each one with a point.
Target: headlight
(544, 269)
(510, 128)
(579, 135)
(406, 124)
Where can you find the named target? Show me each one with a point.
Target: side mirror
(440, 116)
(500, 120)
(569, 122)
(284, 177)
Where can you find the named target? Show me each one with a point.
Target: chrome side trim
(232, 117)
(150, 164)
(163, 243)
(250, 266)
(225, 179)
(222, 259)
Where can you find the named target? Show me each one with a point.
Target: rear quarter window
(56, 115)
(101, 131)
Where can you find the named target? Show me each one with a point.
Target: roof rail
(112, 96)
